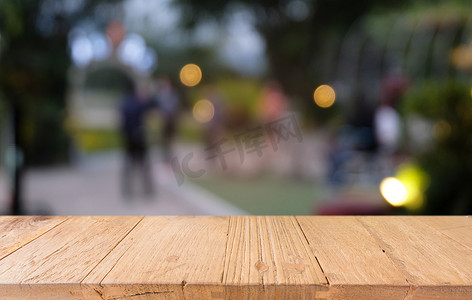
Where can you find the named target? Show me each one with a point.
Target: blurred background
(190, 107)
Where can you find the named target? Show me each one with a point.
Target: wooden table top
(284, 257)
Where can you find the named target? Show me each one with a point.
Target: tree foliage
(301, 50)
(34, 60)
(447, 160)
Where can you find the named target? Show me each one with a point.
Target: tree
(301, 36)
(34, 61)
(447, 159)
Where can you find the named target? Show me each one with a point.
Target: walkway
(92, 188)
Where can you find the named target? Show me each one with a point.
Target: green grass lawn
(265, 195)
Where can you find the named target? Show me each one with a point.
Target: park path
(92, 188)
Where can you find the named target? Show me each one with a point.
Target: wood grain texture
(16, 232)
(458, 228)
(169, 257)
(53, 265)
(236, 257)
(435, 266)
(352, 260)
(269, 257)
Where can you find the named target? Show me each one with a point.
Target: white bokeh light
(148, 61)
(101, 46)
(134, 52)
(81, 50)
(393, 191)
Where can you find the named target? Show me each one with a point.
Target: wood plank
(53, 265)
(436, 267)
(18, 231)
(458, 228)
(268, 257)
(166, 257)
(236, 258)
(445, 222)
(352, 260)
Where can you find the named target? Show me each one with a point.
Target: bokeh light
(461, 57)
(407, 188)
(324, 96)
(190, 75)
(203, 111)
(102, 47)
(394, 191)
(415, 180)
(81, 50)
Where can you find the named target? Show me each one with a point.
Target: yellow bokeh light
(203, 111)
(461, 57)
(190, 75)
(415, 181)
(324, 96)
(394, 191)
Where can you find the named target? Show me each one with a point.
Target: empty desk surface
(282, 257)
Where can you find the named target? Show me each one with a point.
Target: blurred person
(273, 107)
(355, 144)
(361, 124)
(387, 128)
(388, 124)
(274, 103)
(132, 112)
(168, 101)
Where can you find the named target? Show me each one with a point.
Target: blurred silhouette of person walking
(273, 103)
(388, 123)
(168, 101)
(132, 112)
